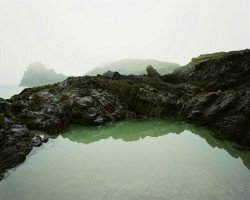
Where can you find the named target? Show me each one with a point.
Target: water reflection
(148, 159)
(129, 131)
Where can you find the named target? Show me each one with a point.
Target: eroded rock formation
(214, 93)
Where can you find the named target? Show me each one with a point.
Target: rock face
(224, 102)
(187, 69)
(215, 94)
(152, 72)
(14, 145)
(37, 75)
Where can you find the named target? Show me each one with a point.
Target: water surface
(149, 159)
(7, 91)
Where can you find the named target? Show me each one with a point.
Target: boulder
(152, 72)
(36, 141)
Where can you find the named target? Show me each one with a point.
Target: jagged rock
(152, 72)
(2, 121)
(215, 94)
(37, 141)
(45, 139)
(14, 146)
(188, 69)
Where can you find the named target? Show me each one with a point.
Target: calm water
(150, 159)
(7, 91)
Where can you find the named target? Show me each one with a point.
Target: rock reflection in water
(147, 159)
(129, 131)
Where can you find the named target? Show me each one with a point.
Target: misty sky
(73, 36)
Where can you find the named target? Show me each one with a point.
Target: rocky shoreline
(212, 92)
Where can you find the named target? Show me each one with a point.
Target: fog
(73, 36)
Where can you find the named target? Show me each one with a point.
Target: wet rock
(36, 141)
(221, 104)
(9, 160)
(14, 146)
(45, 139)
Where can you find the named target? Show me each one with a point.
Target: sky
(74, 36)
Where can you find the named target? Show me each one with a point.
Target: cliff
(37, 75)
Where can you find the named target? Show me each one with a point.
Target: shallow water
(149, 159)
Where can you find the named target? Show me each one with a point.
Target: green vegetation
(204, 57)
(190, 67)
(37, 75)
(134, 66)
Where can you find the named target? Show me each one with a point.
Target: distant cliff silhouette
(37, 75)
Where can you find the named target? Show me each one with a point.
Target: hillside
(134, 66)
(37, 75)
(190, 67)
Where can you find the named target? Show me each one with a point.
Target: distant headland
(37, 75)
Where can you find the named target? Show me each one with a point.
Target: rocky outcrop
(189, 68)
(214, 94)
(14, 145)
(224, 101)
(110, 74)
(152, 72)
(37, 75)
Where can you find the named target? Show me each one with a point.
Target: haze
(73, 36)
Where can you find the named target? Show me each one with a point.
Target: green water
(150, 159)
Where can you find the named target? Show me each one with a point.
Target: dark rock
(2, 121)
(116, 75)
(108, 74)
(16, 138)
(152, 72)
(36, 141)
(45, 139)
(113, 75)
(14, 146)
(9, 160)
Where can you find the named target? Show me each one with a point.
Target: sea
(7, 91)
